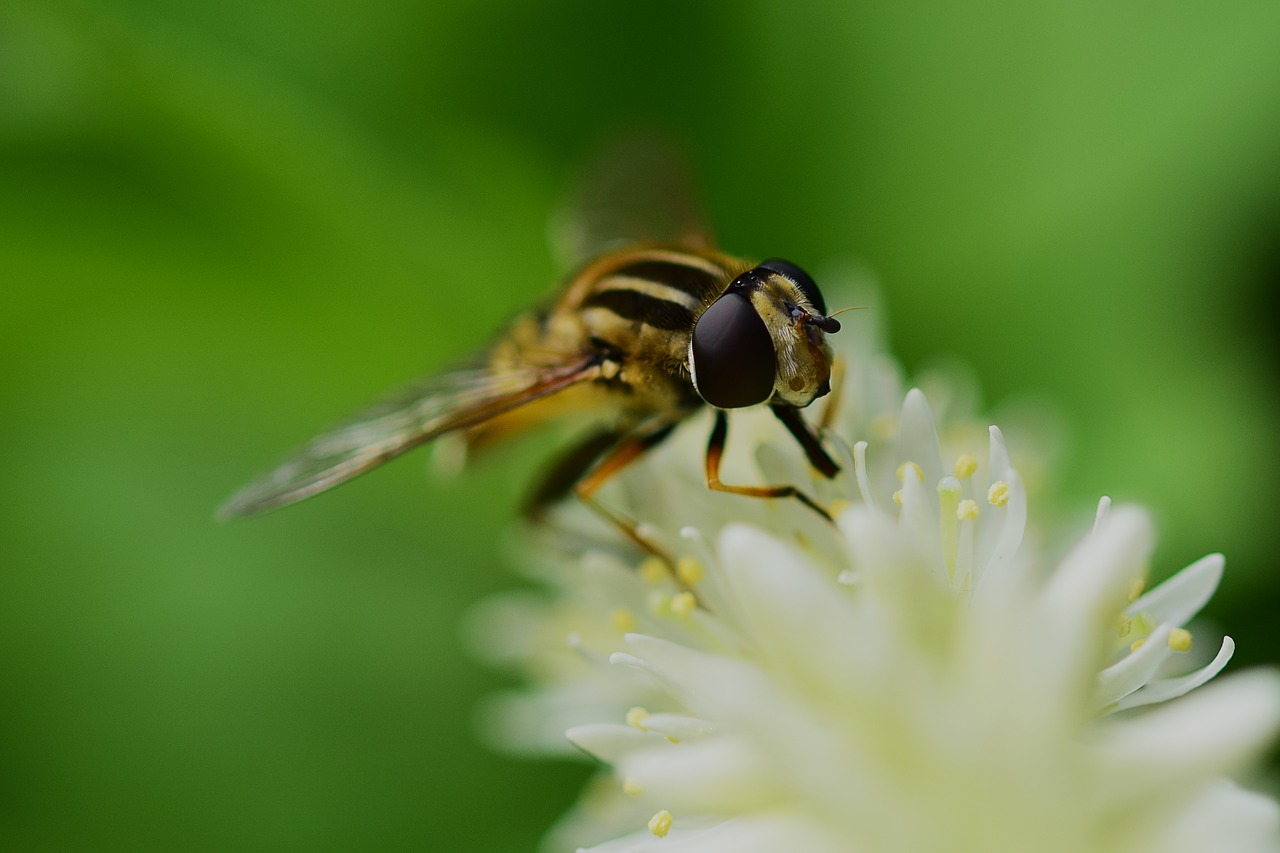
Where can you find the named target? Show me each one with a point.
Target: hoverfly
(644, 334)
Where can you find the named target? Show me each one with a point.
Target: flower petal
(1134, 669)
(718, 775)
(1004, 526)
(1223, 811)
(785, 606)
(1181, 596)
(918, 437)
(1210, 732)
(1081, 598)
(611, 741)
(1164, 689)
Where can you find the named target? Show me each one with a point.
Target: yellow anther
(654, 570)
(1136, 587)
(660, 824)
(967, 510)
(683, 603)
(897, 497)
(1180, 640)
(839, 507)
(673, 740)
(909, 467)
(1123, 625)
(1143, 623)
(1137, 644)
(636, 717)
(998, 494)
(632, 788)
(623, 620)
(966, 465)
(689, 570)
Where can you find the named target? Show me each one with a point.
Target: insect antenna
(852, 308)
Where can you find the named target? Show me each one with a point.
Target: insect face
(764, 340)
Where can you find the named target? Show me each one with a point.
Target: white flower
(909, 679)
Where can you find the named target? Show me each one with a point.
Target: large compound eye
(733, 359)
(801, 278)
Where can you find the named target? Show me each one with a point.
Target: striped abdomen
(646, 301)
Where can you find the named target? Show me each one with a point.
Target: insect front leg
(795, 424)
(831, 406)
(715, 453)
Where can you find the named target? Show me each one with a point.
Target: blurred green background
(224, 225)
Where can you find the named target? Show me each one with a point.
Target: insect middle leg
(585, 469)
(715, 453)
(627, 450)
(558, 481)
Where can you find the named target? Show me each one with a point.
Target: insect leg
(559, 480)
(715, 452)
(818, 458)
(831, 406)
(623, 453)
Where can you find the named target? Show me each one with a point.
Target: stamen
(897, 498)
(623, 620)
(689, 570)
(632, 788)
(966, 465)
(1143, 623)
(1180, 640)
(1137, 644)
(683, 603)
(660, 823)
(636, 717)
(998, 494)
(860, 470)
(1136, 588)
(653, 570)
(967, 510)
(964, 556)
(911, 467)
(948, 500)
(1123, 625)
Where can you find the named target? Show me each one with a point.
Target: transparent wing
(638, 189)
(427, 410)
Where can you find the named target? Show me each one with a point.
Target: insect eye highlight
(801, 278)
(734, 364)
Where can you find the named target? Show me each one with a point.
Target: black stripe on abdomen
(695, 281)
(642, 308)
